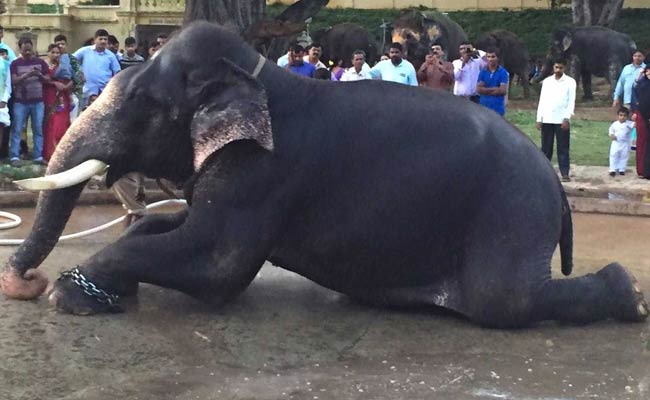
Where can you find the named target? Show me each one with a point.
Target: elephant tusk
(78, 174)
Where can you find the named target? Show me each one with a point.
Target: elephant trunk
(20, 278)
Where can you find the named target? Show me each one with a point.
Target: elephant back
(513, 54)
(341, 40)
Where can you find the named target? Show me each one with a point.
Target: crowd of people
(478, 77)
(51, 91)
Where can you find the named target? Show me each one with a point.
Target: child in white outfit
(620, 133)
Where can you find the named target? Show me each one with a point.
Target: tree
(596, 12)
(246, 17)
(238, 15)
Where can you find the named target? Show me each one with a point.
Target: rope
(16, 221)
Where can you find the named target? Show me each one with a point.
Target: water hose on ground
(14, 221)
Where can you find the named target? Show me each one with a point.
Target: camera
(472, 52)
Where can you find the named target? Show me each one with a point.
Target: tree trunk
(237, 15)
(610, 13)
(596, 12)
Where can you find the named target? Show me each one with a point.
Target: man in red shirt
(436, 73)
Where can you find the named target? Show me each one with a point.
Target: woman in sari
(56, 96)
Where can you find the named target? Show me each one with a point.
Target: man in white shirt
(359, 69)
(395, 69)
(466, 70)
(313, 55)
(554, 112)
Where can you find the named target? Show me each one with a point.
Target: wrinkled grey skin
(417, 31)
(397, 206)
(341, 40)
(513, 55)
(591, 50)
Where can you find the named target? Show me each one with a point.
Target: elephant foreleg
(222, 242)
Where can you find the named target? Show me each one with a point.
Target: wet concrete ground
(287, 338)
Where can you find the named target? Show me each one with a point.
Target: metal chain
(89, 288)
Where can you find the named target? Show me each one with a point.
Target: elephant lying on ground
(402, 207)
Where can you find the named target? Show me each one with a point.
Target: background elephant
(393, 208)
(418, 30)
(591, 50)
(513, 54)
(341, 40)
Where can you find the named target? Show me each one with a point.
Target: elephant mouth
(71, 177)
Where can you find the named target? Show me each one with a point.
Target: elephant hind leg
(610, 293)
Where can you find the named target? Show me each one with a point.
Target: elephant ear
(232, 106)
(566, 42)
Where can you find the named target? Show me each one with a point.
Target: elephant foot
(27, 287)
(626, 296)
(72, 293)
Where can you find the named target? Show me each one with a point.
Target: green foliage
(9, 173)
(534, 27)
(589, 139)
(43, 8)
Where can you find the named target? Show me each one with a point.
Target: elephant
(341, 40)
(590, 50)
(513, 54)
(399, 208)
(417, 31)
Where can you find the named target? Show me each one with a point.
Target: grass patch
(589, 139)
(9, 173)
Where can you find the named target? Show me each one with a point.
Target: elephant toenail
(637, 289)
(643, 309)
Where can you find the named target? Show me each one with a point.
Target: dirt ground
(288, 338)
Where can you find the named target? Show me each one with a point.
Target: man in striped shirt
(130, 57)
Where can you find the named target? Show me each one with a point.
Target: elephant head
(415, 31)
(561, 42)
(164, 118)
(560, 47)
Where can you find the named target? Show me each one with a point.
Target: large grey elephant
(513, 54)
(402, 207)
(591, 50)
(341, 40)
(417, 30)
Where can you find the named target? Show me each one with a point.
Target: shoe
(15, 162)
(622, 173)
(565, 178)
(40, 161)
(612, 173)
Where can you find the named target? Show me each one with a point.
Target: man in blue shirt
(98, 64)
(297, 63)
(492, 84)
(625, 82)
(4, 143)
(395, 69)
